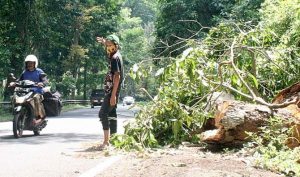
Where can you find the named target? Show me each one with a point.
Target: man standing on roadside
(112, 86)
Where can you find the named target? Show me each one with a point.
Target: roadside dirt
(180, 162)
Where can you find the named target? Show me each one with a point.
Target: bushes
(271, 151)
(6, 115)
(165, 122)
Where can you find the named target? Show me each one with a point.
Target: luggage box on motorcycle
(52, 105)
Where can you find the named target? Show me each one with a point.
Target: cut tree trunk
(234, 118)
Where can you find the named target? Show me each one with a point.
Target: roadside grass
(70, 107)
(5, 115)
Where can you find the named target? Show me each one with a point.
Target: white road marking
(100, 167)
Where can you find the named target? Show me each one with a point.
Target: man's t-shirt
(34, 75)
(115, 65)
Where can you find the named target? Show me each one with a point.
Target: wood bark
(233, 119)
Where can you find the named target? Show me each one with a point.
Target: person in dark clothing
(112, 86)
(8, 92)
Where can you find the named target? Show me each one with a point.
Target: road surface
(62, 148)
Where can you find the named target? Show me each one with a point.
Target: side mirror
(11, 77)
(43, 75)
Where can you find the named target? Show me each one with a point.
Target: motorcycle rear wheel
(18, 125)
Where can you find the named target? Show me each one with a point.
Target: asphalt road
(56, 152)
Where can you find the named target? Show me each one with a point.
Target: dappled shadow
(5, 131)
(12, 137)
(46, 138)
(94, 148)
(88, 113)
(219, 148)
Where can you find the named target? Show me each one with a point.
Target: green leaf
(254, 80)
(176, 127)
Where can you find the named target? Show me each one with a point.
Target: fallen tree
(235, 63)
(233, 119)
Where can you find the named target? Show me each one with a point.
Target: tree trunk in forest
(85, 79)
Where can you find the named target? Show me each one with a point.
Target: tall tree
(145, 9)
(136, 46)
(57, 32)
(242, 10)
(178, 20)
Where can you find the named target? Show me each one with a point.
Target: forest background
(176, 53)
(62, 34)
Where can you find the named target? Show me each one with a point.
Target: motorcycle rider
(37, 75)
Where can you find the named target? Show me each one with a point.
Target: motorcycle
(23, 109)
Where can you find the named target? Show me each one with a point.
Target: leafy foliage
(242, 10)
(145, 9)
(179, 20)
(163, 123)
(55, 31)
(249, 60)
(271, 151)
(194, 18)
(135, 46)
(174, 114)
(67, 85)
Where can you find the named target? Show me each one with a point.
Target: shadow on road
(4, 131)
(92, 114)
(46, 138)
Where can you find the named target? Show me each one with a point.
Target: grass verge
(5, 115)
(70, 107)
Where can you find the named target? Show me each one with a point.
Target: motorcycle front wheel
(18, 125)
(36, 132)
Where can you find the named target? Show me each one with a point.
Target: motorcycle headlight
(20, 100)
